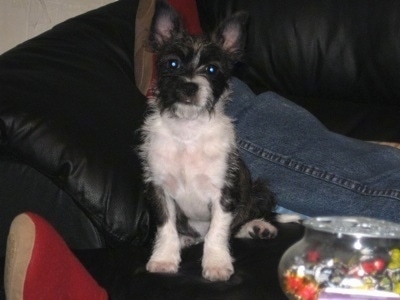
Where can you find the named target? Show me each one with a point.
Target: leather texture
(122, 271)
(70, 110)
(337, 58)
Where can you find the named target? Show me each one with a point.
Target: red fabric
(188, 11)
(54, 272)
(150, 91)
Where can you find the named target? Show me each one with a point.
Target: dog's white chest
(189, 160)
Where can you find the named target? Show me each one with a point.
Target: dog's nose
(189, 89)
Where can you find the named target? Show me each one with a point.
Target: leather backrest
(338, 58)
(330, 48)
(70, 109)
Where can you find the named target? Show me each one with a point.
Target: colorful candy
(366, 270)
(343, 257)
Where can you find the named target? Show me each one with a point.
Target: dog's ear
(231, 34)
(166, 24)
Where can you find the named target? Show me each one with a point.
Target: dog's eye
(211, 69)
(174, 64)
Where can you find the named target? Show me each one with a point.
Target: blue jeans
(313, 171)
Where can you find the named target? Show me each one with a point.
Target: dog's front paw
(218, 272)
(217, 264)
(162, 266)
(257, 229)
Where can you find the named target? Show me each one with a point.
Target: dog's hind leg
(257, 229)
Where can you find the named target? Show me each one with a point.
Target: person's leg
(39, 264)
(312, 170)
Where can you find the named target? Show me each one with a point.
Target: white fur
(217, 261)
(166, 257)
(187, 157)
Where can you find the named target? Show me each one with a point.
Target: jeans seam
(316, 172)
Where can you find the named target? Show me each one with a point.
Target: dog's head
(193, 71)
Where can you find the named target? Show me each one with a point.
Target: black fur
(198, 187)
(245, 199)
(183, 49)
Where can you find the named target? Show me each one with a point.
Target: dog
(197, 186)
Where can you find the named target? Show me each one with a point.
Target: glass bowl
(343, 258)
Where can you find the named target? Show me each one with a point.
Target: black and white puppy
(197, 186)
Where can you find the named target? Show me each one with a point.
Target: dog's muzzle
(187, 92)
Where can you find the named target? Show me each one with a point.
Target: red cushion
(188, 10)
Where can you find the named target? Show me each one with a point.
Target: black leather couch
(70, 109)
